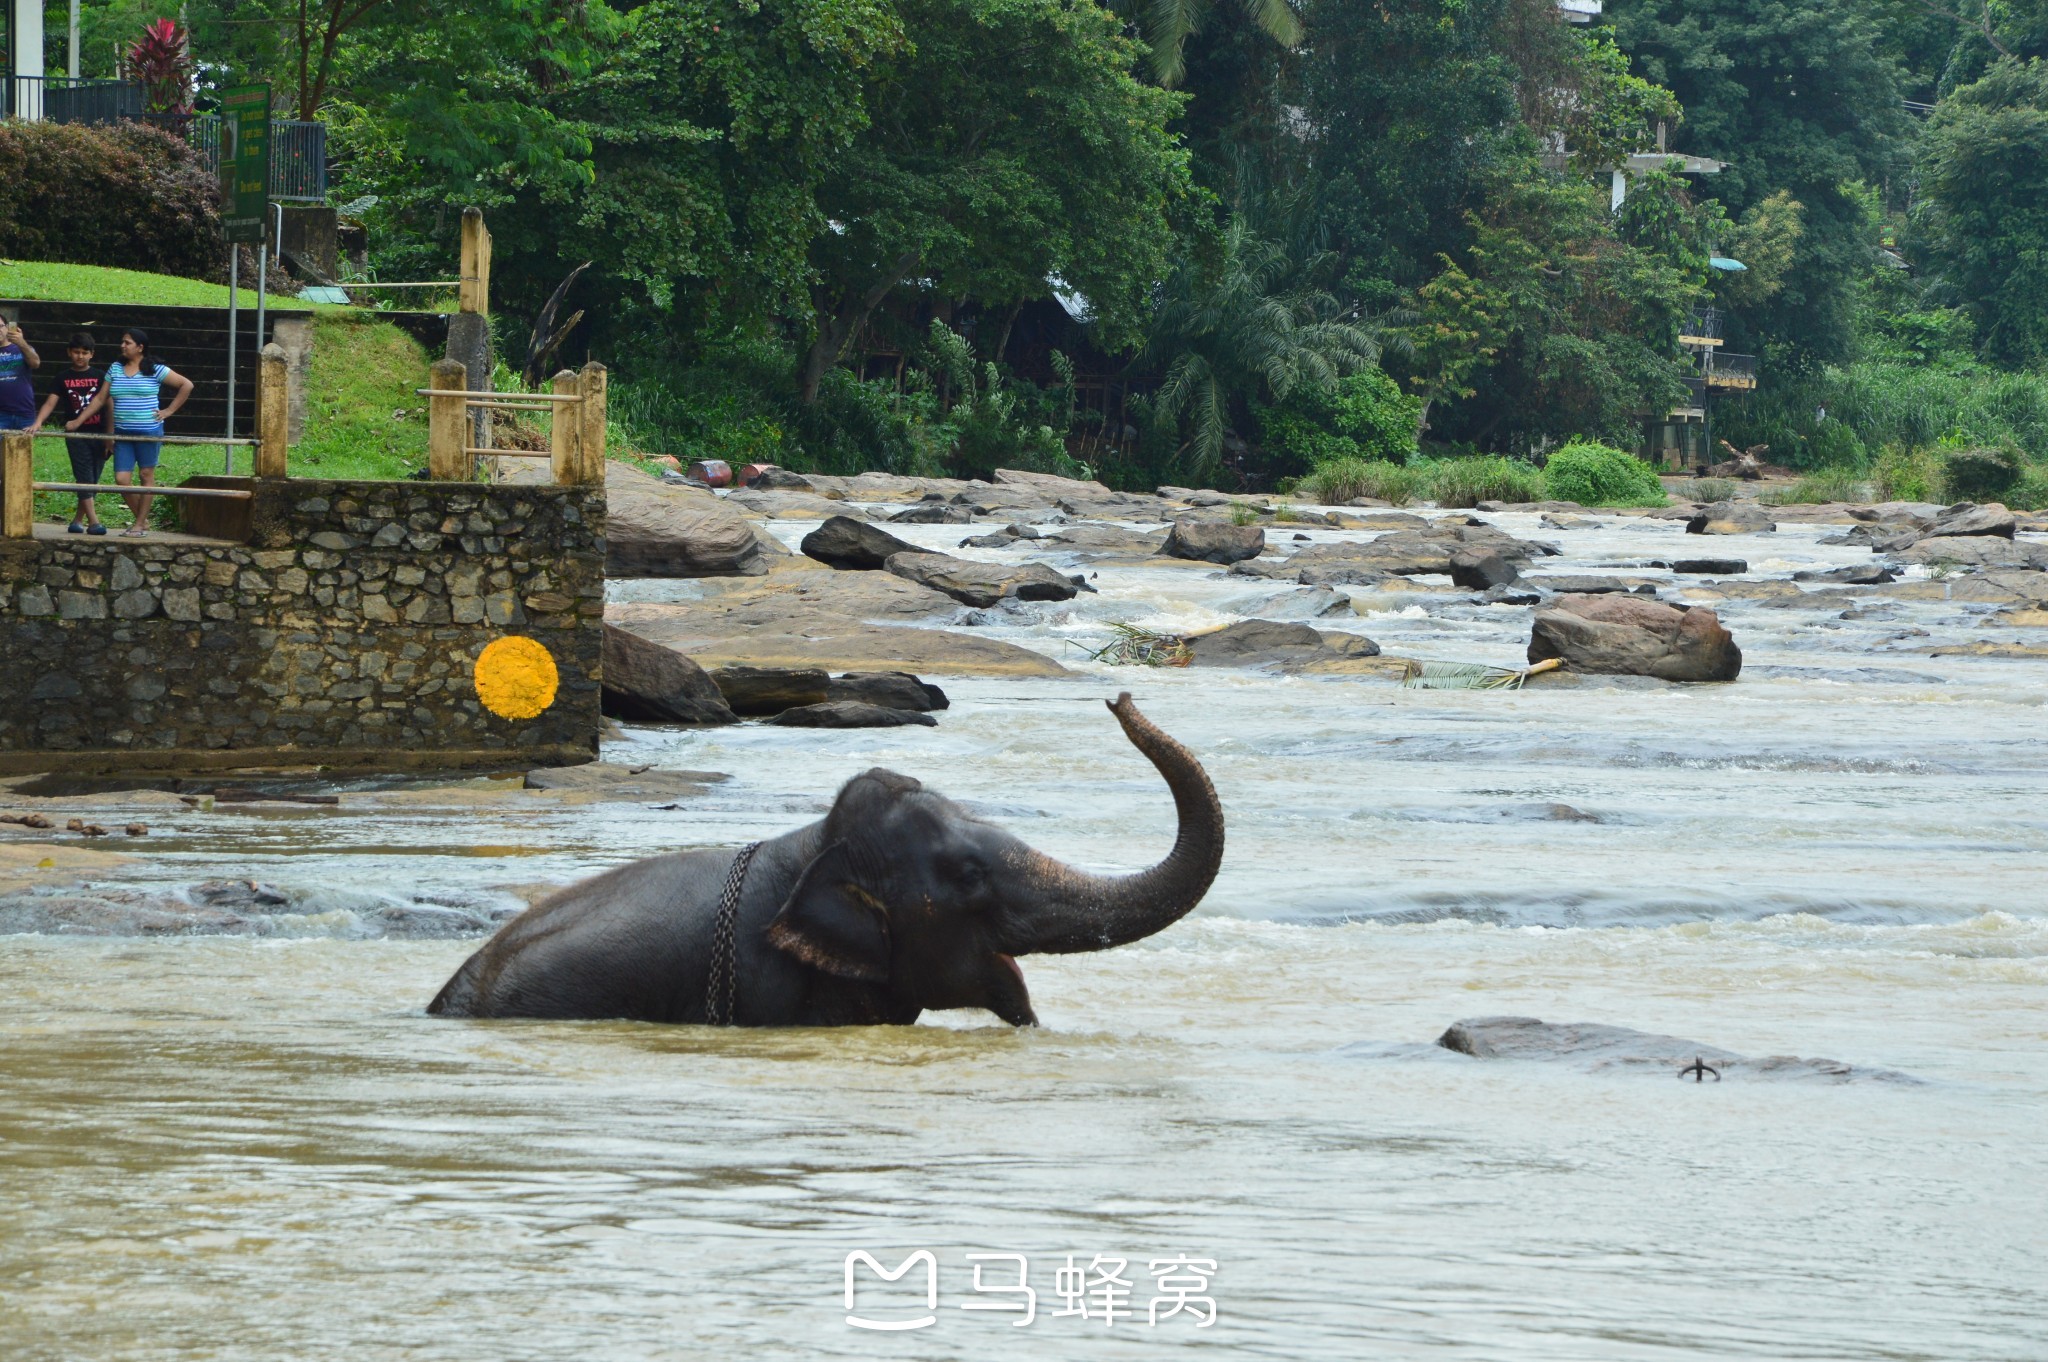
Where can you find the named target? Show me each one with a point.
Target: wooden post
(17, 486)
(448, 458)
(566, 432)
(273, 413)
(592, 383)
(476, 263)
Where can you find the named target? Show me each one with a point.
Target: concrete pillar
(469, 344)
(565, 438)
(273, 411)
(447, 429)
(17, 486)
(592, 382)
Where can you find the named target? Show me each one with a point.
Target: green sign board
(245, 161)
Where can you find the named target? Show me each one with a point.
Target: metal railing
(1731, 373)
(298, 149)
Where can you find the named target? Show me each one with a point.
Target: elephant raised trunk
(1084, 912)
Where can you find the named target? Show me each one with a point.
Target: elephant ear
(830, 923)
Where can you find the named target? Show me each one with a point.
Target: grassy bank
(53, 283)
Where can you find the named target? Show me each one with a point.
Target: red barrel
(710, 472)
(751, 471)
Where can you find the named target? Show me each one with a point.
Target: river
(233, 1148)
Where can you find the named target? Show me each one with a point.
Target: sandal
(95, 528)
(134, 532)
(76, 528)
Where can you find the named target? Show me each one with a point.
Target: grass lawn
(98, 284)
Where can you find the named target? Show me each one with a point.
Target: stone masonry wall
(344, 632)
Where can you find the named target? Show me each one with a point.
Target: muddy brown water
(233, 1148)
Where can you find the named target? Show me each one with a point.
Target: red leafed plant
(162, 62)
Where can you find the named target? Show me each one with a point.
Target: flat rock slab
(610, 780)
(658, 529)
(1302, 603)
(791, 505)
(1587, 585)
(851, 714)
(1599, 1048)
(1977, 551)
(982, 584)
(246, 908)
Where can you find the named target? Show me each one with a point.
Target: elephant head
(913, 894)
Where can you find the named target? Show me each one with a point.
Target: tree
(1793, 95)
(1230, 329)
(1010, 148)
(1984, 170)
(1168, 24)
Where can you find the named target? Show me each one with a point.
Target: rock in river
(856, 545)
(646, 682)
(657, 529)
(981, 584)
(1258, 643)
(1480, 566)
(1631, 636)
(851, 714)
(1214, 542)
(1965, 520)
(755, 691)
(1596, 1047)
(890, 690)
(1728, 517)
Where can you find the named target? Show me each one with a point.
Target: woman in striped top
(135, 388)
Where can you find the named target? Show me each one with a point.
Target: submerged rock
(1630, 636)
(1712, 567)
(247, 908)
(851, 714)
(1258, 643)
(853, 545)
(1600, 1048)
(934, 513)
(1869, 574)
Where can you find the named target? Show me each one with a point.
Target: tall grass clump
(1828, 484)
(1708, 489)
(1469, 481)
(1594, 474)
(1342, 480)
(1909, 475)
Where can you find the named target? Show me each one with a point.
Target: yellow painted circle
(516, 677)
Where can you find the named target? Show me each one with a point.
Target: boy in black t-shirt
(72, 392)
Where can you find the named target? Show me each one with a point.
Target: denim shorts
(143, 452)
(9, 421)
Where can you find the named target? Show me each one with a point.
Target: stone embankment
(345, 630)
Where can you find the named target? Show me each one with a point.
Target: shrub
(1362, 416)
(1909, 475)
(125, 194)
(1600, 475)
(1979, 474)
(1469, 481)
(1341, 480)
(1708, 489)
(2030, 493)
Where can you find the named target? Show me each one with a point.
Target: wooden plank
(17, 487)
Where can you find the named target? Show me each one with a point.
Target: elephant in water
(898, 901)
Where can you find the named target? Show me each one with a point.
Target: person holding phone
(134, 389)
(18, 361)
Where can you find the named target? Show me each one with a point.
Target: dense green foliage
(1347, 237)
(1465, 481)
(1594, 474)
(125, 195)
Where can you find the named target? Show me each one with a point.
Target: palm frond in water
(1135, 647)
(1472, 675)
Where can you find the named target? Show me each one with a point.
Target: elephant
(896, 902)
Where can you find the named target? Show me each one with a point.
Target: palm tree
(1245, 321)
(1168, 24)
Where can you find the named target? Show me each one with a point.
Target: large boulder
(851, 714)
(1966, 520)
(1730, 517)
(754, 691)
(981, 584)
(1633, 636)
(856, 545)
(1213, 542)
(890, 690)
(1480, 566)
(658, 529)
(648, 683)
